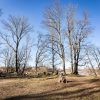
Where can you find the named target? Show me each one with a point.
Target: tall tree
(53, 21)
(70, 29)
(17, 28)
(77, 33)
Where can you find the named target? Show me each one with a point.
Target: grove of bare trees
(76, 32)
(65, 41)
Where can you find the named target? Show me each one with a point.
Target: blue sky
(33, 10)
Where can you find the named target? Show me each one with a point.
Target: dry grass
(78, 88)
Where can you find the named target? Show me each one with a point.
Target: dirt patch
(50, 89)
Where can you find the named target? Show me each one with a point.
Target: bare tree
(26, 53)
(77, 33)
(8, 59)
(96, 54)
(41, 51)
(52, 51)
(53, 21)
(89, 60)
(70, 29)
(17, 28)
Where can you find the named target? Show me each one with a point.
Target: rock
(62, 79)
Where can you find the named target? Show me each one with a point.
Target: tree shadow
(58, 94)
(94, 80)
(54, 95)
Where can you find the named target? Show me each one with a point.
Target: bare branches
(17, 28)
(53, 21)
(41, 51)
(77, 32)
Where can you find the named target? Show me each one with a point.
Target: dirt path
(49, 89)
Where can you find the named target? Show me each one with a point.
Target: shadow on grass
(54, 95)
(58, 94)
(94, 80)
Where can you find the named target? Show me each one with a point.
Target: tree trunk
(17, 67)
(64, 70)
(63, 59)
(16, 62)
(71, 61)
(75, 63)
(36, 67)
(75, 69)
(53, 64)
(71, 52)
(53, 57)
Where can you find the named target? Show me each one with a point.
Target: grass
(78, 88)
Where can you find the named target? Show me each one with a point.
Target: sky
(33, 10)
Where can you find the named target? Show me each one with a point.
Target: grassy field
(78, 88)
